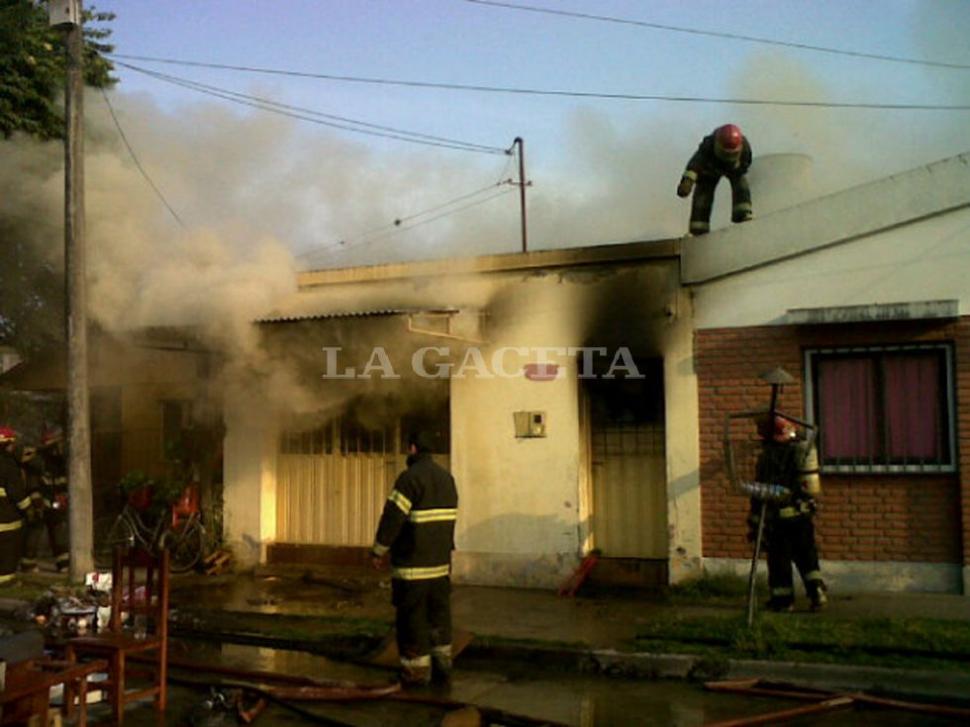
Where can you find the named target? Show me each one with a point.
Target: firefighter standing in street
(54, 480)
(724, 153)
(34, 525)
(417, 527)
(790, 534)
(14, 502)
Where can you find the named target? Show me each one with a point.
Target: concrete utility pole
(522, 185)
(67, 13)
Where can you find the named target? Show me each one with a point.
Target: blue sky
(589, 159)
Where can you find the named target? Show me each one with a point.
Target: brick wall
(917, 518)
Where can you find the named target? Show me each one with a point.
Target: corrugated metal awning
(378, 312)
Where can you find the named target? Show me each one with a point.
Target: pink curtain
(847, 408)
(913, 406)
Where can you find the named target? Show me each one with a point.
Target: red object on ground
(186, 506)
(579, 576)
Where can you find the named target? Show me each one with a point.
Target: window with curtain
(883, 409)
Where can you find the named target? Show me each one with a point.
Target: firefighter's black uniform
(55, 489)
(705, 169)
(14, 502)
(789, 532)
(34, 526)
(417, 526)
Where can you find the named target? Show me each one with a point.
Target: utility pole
(68, 14)
(522, 185)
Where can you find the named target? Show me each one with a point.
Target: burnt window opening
(883, 409)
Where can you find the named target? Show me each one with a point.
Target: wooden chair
(139, 588)
(26, 694)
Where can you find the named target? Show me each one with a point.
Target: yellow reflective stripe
(743, 207)
(7, 527)
(691, 175)
(7, 578)
(403, 503)
(36, 496)
(418, 662)
(782, 591)
(24, 504)
(813, 575)
(63, 558)
(3, 492)
(440, 514)
(420, 574)
(787, 512)
(379, 549)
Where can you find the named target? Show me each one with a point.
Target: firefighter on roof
(792, 463)
(724, 153)
(14, 502)
(417, 527)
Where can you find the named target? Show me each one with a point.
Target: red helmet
(51, 436)
(778, 428)
(728, 142)
(7, 435)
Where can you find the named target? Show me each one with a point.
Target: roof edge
(561, 257)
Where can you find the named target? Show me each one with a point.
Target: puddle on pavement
(583, 701)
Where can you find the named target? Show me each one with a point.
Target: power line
(305, 114)
(557, 92)
(396, 229)
(134, 158)
(721, 34)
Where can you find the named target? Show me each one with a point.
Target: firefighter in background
(724, 153)
(54, 481)
(34, 526)
(13, 504)
(417, 527)
(791, 462)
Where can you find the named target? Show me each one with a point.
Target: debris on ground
(217, 562)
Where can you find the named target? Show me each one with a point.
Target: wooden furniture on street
(139, 590)
(26, 693)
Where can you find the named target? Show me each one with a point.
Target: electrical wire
(556, 92)
(378, 238)
(398, 221)
(311, 115)
(721, 34)
(134, 158)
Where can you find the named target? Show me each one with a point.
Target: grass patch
(915, 643)
(716, 589)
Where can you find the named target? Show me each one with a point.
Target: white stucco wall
(249, 492)
(523, 511)
(925, 260)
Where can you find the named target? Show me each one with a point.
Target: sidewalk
(592, 633)
(595, 632)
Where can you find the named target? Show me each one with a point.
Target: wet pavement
(537, 617)
(569, 699)
(598, 621)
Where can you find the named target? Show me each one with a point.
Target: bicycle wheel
(185, 546)
(110, 531)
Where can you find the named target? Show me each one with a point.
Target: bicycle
(177, 528)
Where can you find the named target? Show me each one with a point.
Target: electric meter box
(530, 424)
(64, 12)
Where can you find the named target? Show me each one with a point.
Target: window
(885, 409)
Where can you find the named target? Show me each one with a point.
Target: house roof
(540, 259)
(894, 201)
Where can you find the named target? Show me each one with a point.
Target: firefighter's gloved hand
(685, 186)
